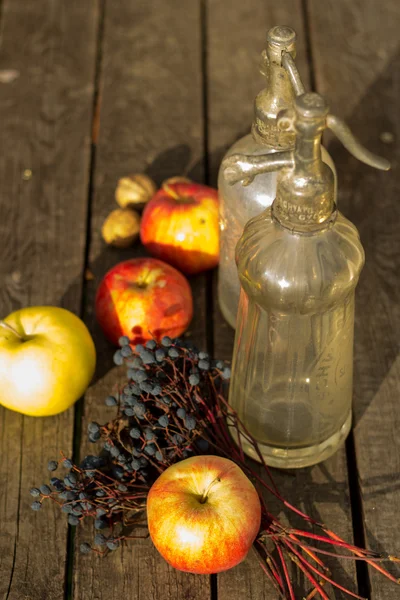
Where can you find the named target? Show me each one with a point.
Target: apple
(47, 359)
(180, 225)
(143, 298)
(203, 514)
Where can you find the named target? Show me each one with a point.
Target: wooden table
(97, 89)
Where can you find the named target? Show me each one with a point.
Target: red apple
(180, 225)
(203, 514)
(143, 298)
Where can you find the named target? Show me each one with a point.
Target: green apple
(47, 360)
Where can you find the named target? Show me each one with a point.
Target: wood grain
(233, 50)
(150, 120)
(46, 94)
(357, 61)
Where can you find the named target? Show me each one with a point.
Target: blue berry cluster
(162, 416)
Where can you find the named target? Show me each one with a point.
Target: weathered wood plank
(150, 120)
(357, 61)
(234, 46)
(46, 93)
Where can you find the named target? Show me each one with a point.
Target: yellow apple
(47, 359)
(203, 514)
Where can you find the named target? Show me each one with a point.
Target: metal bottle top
(279, 93)
(305, 192)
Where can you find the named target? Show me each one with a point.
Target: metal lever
(350, 142)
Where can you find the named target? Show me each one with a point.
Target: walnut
(135, 191)
(121, 227)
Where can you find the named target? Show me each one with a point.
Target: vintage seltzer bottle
(238, 203)
(298, 264)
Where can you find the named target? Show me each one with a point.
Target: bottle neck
(277, 96)
(305, 194)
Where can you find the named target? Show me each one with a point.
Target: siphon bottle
(239, 203)
(299, 263)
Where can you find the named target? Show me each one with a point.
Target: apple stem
(170, 191)
(10, 329)
(207, 491)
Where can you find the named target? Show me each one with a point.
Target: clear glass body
(239, 204)
(293, 360)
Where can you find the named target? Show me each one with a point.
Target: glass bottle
(298, 263)
(240, 203)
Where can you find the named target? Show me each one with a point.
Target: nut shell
(176, 179)
(135, 191)
(121, 227)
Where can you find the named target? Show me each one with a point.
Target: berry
(139, 409)
(100, 539)
(190, 422)
(71, 479)
(111, 401)
(100, 493)
(143, 461)
(118, 471)
(140, 376)
(165, 400)
(66, 508)
(135, 389)
(35, 492)
(57, 484)
(166, 342)
(122, 487)
(100, 524)
(149, 435)
(36, 505)
(150, 449)
(67, 462)
(151, 344)
(147, 357)
(94, 437)
(145, 386)
(126, 351)
(45, 490)
(204, 365)
(112, 544)
(129, 412)
(135, 433)
(118, 358)
(226, 373)
(219, 364)
(52, 465)
(160, 354)
(156, 390)
(73, 520)
(135, 464)
(121, 458)
(173, 353)
(135, 362)
(92, 462)
(100, 512)
(114, 452)
(203, 356)
(163, 421)
(181, 413)
(159, 456)
(85, 548)
(194, 379)
(123, 341)
(93, 427)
